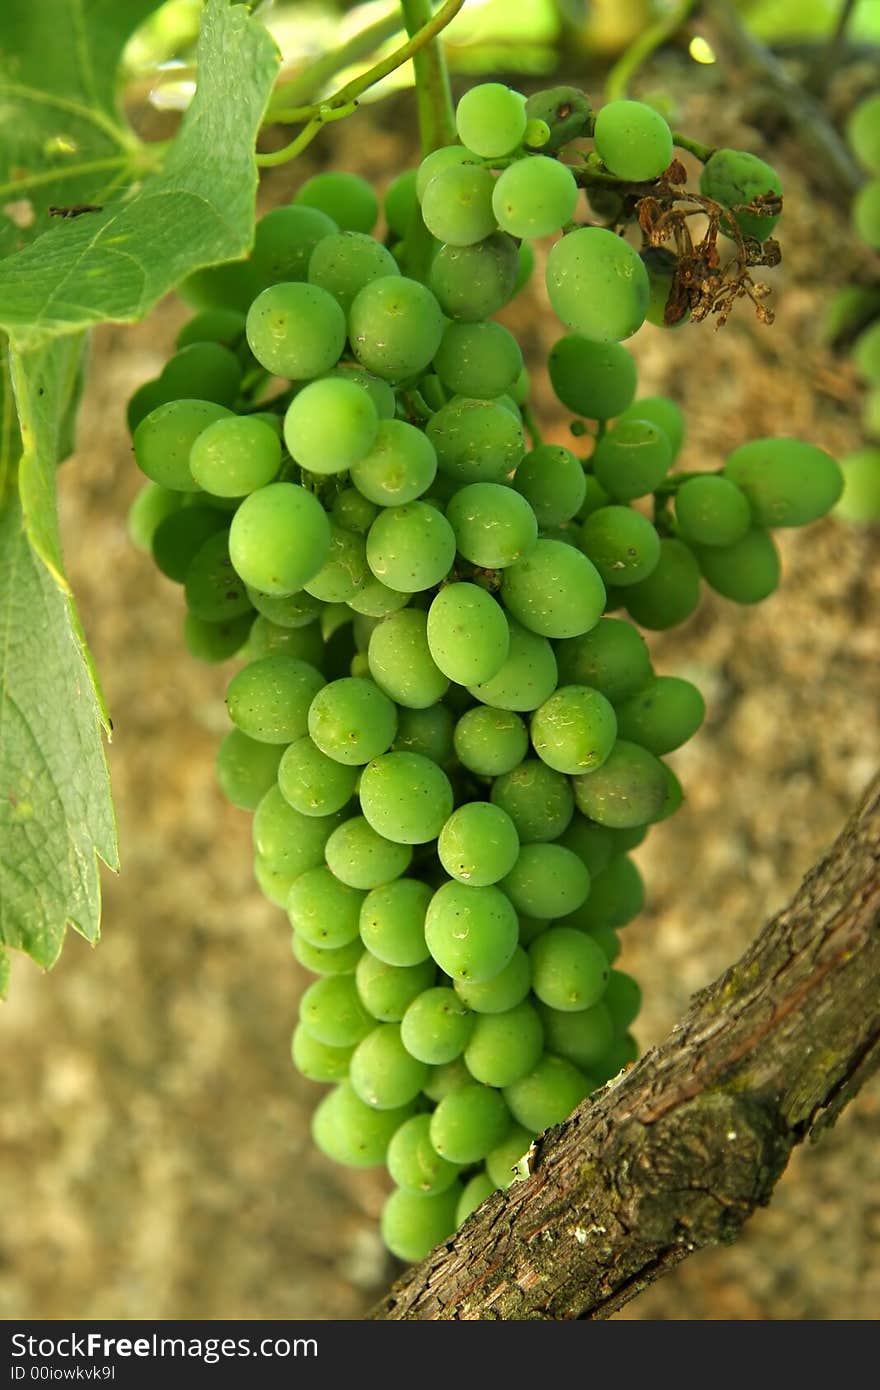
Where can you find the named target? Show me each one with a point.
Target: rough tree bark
(678, 1151)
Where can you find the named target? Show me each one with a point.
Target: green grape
(217, 640)
(436, 1026)
(180, 535)
(353, 511)
(405, 797)
(414, 1163)
(569, 971)
(478, 844)
(663, 413)
(622, 999)
(296, 330)
(787, 482)
(410, 548)
(595, 497)
(401, 663)
(344, 571)
(473, 282)
(163, 439)
(330, 425)
(231, 285)
(473, 1195)
(279, 538)
(224, 326)
(343, 263)
(340, 960)
(527, 677)
(144, 400)
(609, 941)
(426, 731)
(505, 1164)
(494, 526)
(597, 380)
(711, 510)
(213, 590)
(548, 1094)
(582, 1038)
(865, 354)
(478, 360)
(347, 198)
(504, 991)
(631, 460)
(246, 769)
(331, 1012)
(468, 1123)
(554, 591)
(399, 467)
(322, 910)
(274, 883)
(621, 1055)
(574, 730)
(617, 895)
(627, 790)
(521, 388)
(392, 922)
(382, 1072)
(671, 591)
(352, 721)
(395, 327)
(662, 716)
(401, 202)
(534, 197)
(538, 800)
(490, 741)
(866, 213)
(622, 544)
(376, 600)
(745, 572)
(476, 441)
(597, 284)
(593, 844)
(735, 178)
(491, 119)
(284, 241)
(633, 140)
(457, 205)
(552, 481)
(380, 392)
(863, 132)
(412, 1224)
(871, 414)
(471, 932)
(269, 699)
(612, 657)
(356, 855)
(286, 610)
(467, 633)
(664, 310)
(505, 1046)
(202, 372)
(860, 500)
(352, 1133)
(447, 157)
(547, 880)
(149, 509)
(443, 1080)
(673, 798)
(235, 456)
(566, 110)
(387, 991)
(315, 1060)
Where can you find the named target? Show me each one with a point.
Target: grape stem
(433, 94)
(652, 38)
(305, 86)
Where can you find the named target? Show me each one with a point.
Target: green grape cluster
(445, 720)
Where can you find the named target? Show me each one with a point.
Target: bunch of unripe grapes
(446, 723)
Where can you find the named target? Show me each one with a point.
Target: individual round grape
(224, 326)
(235, 456)
(399, 467)
(735, 178)
(527, 677)
(346, 198)
(538, 800)
(712, 510)
(595, 497)
(468, 1123)
(593, 844)
(405, 797)
(146, 398)
(270, 698)
(633, 140)
(352, 721)
(202, 372)
(426, 731)
(443, 1080)
(478, 360)
(213, 590)
(352, 510)
(547, 880)
(565, 109)
(631, 459)
(612, 657)
(663, 716)
(343, 263)
(863, 132)
(446, 157)
(330, 425)
(331, 1011)
(622, 544)
(504, 991)
(344, 572)
(164, 438)
(436, 1026)
(149, 509)
(356, 855)
(671, 591)
(279, 538)
(284, 241)
(478, 845)
(504, 1164)
(574, 730)
(382, 1072)
(457, 205)
(352, 1133)
(597, 380)
(467, 633)
(623, 999)
(494, 526)
(627, 790)
(865, 354)
(476, 441)
(286, 610)
(505, 1046)
(287, 841)
(472, 282)
(296, 330)
(274, 883)
(321, 960)
(412, 1224)
(860, 500)
(787, 482)
(414, 1163)
(663, 413)
(554, 591)
(471, 932)
(597, 284)
(375, 600)
(392, 922)
(401, 662)
(665, 310)
(246, 769)
(552, 481)
(617, 895)
(315, 1060)
(622, 1054)
(410, 548)
(395, 327)
(305, 643)
(548, 1094)
(215, 641)
(401, 202)
(491, 119)
(387, 991)
(745, 572)
(322, 910)
(490, 741)
(534, 197)
(473, 1195)
(569, 971)
(582, 1038)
